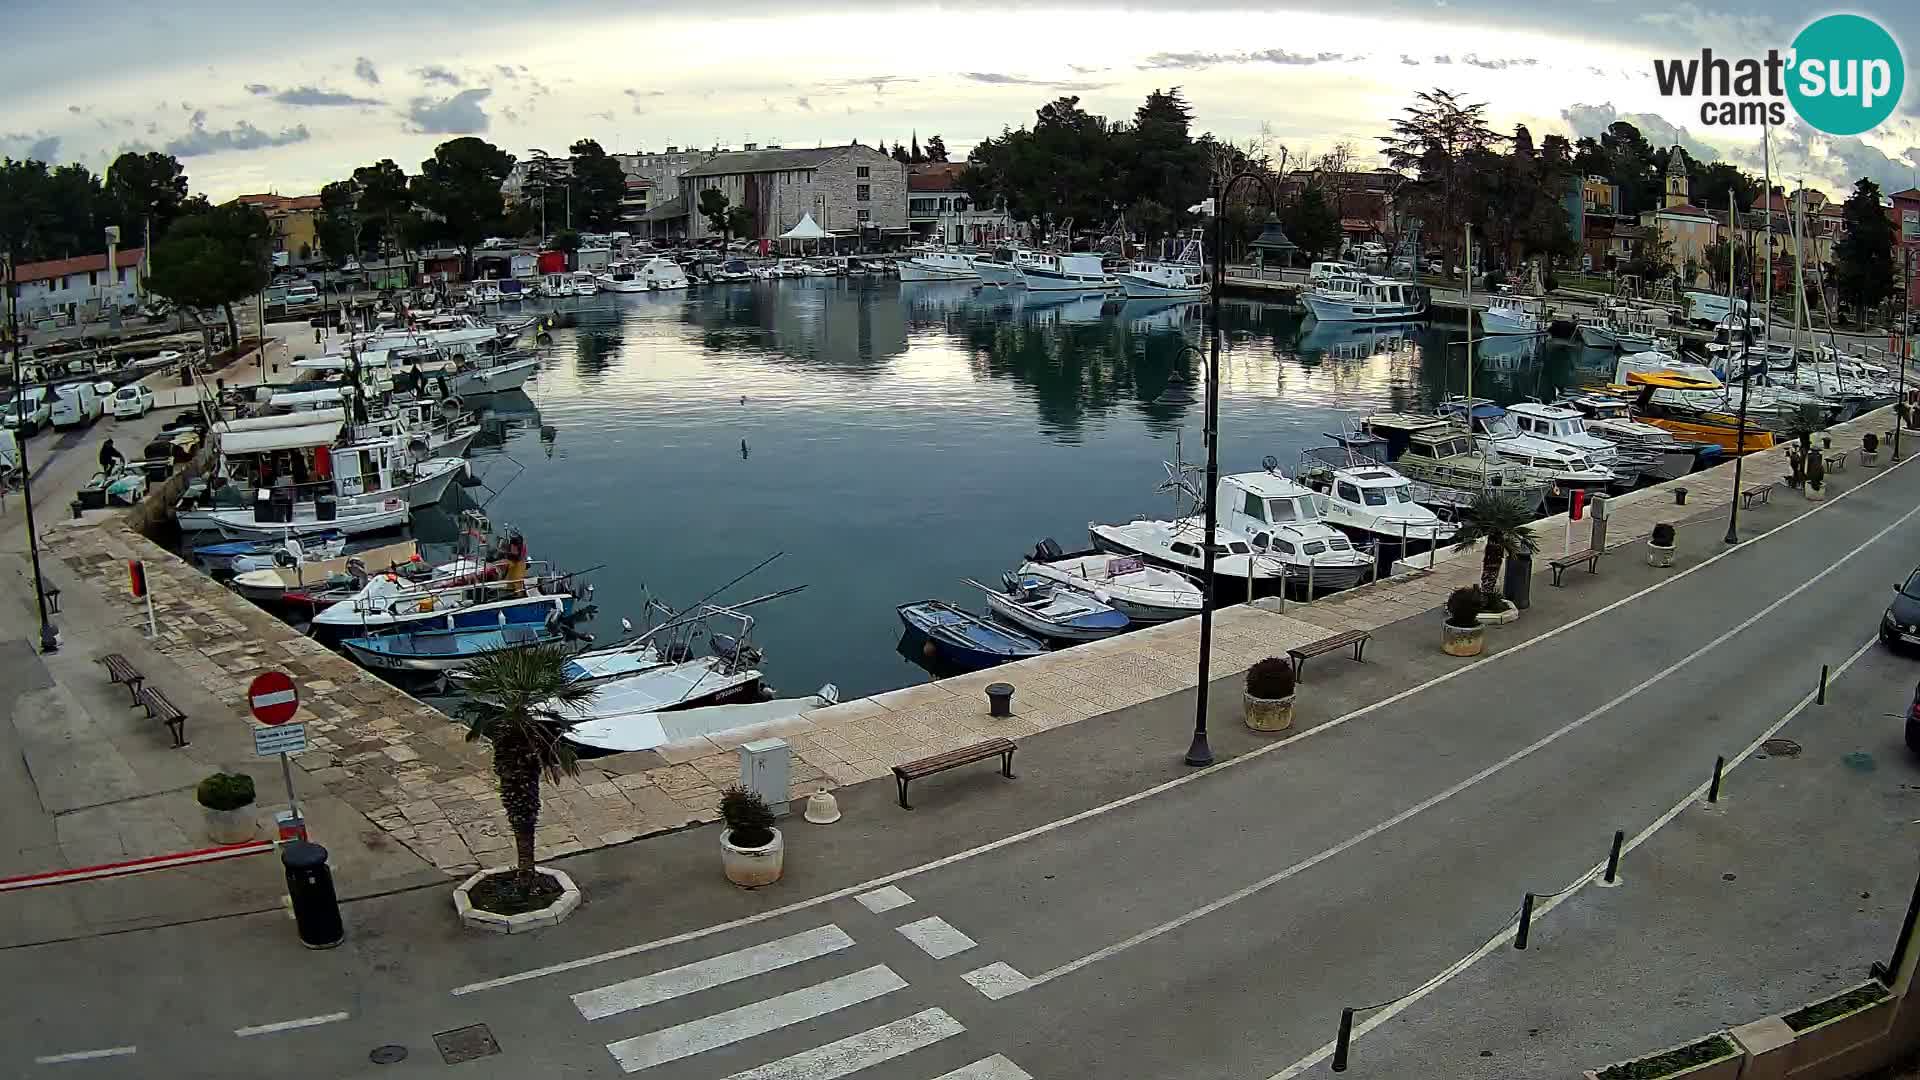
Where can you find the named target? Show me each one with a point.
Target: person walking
(110, 457)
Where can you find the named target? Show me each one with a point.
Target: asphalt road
(1212, 927)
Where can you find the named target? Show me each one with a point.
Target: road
(1212, 926)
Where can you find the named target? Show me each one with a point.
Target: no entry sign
(273, 698)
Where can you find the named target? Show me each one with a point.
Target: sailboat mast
(1468, 231)
(1766, 165)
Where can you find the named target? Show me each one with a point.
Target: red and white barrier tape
(136, 866)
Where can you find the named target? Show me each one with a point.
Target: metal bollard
(1526, 922)
(1713, 790)
(1343, 1041)
(999, 699)
(1821, 698)
(1679, 496)
(1613, 857)
(316, 910)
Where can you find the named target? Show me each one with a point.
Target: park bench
(1759, 493)
(953, 759)
(1574, 558)
(159, 708)
(1357, 639)
(123, 673)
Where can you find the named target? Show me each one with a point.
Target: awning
(331, 395)
(265, 441)
(260, 423)
(806, 230)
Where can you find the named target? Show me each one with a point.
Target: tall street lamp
(1200, 753)
(1746, 382)
(49, 636)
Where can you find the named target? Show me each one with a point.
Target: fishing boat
(455, 600)
(1667, 458)
(1053, 610)
(444, 650)
(1370, 501)
(494, 374)
(1183, 277)
(265, 522)
(1513, 315)
(1002, 266)
(1495, 434)
(961, 639)
(557, 286)
(1177, 544)
(484, 291)
(1440, 457)
(1285, 527)
(939, 266)
(1566, 426)
(1364, 298)
(1596, 332)
(1698, 425)
(221, 558)
(312, 582)
(624, 733)
(1129, 584)
(1051, 272)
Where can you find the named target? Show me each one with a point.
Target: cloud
(1499, 64)
(75, 109)
(310, 95)
(1850, 158)
(995, 78)
(878, 82)
(507, 71)
(199, 140)
(803, 103)
(363, 68)
(1591, 120)
(1443, 59)
(639, 96)
(508, 112)
(1408, 60)
(1190, 60)
(434, 73)
(606, 115)
(460, 114)
(259, 89)
(47, 149)
(37, 145)
(1079, 70)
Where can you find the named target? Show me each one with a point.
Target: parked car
(75, 404)
(27, 411)
(1900, 625)
(132, 401)
(305, 292)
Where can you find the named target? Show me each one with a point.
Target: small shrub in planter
(1822, 1011)
(1869, 450)
(1462, 634)
(1671, 1062)
(752, 851)
(227, 801)
(1269, 699)
(1660, 545)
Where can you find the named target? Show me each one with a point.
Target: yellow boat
(1720, 429)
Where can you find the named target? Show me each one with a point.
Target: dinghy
(444, 650)
(1144, 593)
(962, 639)
(626, 732)
(1050, 609)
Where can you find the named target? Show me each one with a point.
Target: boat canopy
(267, 440)
(331, 395)
(1667, 380)
(283, 420)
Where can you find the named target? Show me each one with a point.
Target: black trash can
(316, 911)
(325, 507)
(263, 508)
(1518, 584)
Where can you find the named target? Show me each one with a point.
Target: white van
(75, 404)
(1320, 272)
(1708, 310)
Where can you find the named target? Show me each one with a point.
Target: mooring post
(1713, 790)
(1613, 857)
(1344, 1039)
(1526, 919)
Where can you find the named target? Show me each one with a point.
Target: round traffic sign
(273, 698)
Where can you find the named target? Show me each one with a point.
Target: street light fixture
(49, 636)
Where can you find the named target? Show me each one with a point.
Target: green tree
(214, 259)
(566, 240)
(1501, 521)
(147, 190)
(1443, 142)
(26, 208)
(53, 213)
(1652, 258)
(900, 154)
(739, 222)
(914, 156)
(460, 186)
(519, 700)
(338, 225)
(713, 206)
(599, 184)
(1312, 223)
(1863, 259)
(936, 149)
(384, 201)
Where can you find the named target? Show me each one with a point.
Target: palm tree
(1501, 520)
(519, 701)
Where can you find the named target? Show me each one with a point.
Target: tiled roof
(1912, 193)
(935, 177)
(47, 271)
(675, 207)
(729, 163)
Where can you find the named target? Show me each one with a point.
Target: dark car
(1901, 623)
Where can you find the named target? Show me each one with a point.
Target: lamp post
(1746, 383)
(1200, 753)
(49, 636)
(1906, 325)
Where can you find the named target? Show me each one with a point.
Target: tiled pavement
(408, 769)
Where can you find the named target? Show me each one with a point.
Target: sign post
(137, 581)
(273, 699)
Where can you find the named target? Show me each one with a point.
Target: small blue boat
(444, 650)
(219, 558)
(962, 639)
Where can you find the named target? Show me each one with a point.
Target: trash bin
(325, 507)
(283, 504)
(1518, 584)
(316, 911)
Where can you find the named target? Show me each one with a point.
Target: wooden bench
(122, 672)
(953, 759)
(1759, 493)
(1574, 558)
(1356, 638)
(159, 708)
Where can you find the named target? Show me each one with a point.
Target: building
(1905, 211)
(295, 224)
(665, 223)
(1687, 229)
(851, 191)
(1364, 200)
(939, 212)
(80, 287)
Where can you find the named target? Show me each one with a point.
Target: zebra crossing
(817, 1006)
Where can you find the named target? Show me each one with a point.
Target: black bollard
(1526, 922)
(1679, 496)
(1822, 698)
(999, 699)
(1345, 1039)
(310, 886)
(1613, 857)
(1713, 790)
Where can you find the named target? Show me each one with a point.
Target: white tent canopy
(806, 230)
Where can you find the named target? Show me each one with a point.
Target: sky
(254, 98)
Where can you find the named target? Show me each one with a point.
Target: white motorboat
(1371, 500)
(627, 732)
(1176, 544)
(1144, 593)
(1364, 298)
(479, 376)
(1050, 609)
(939, 266)
(351, 520)
(1596, 332)
(557, 286)
(1286, 522)
(1184, 277)
(1051, 272)
(1568, 427)
(662, 274)
(585, 283)
(484, 291)
(619, 277)
(1002, 266)
(1496, 435)
(1446, 467)
(292, 573)
(1661, 455)
(1513, 315)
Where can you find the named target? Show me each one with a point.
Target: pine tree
(1863, 259)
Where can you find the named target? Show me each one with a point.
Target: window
(1401, 493)
(1261, 541)
(863, 193)
(1187, 550)
(864, 215)
(93, 277)
(1315, 548)
(1376, 496)
(1256, 507)
(1238, 547)
(1284, 510)
(1348, 493)
(1282, 545)
(863, 172)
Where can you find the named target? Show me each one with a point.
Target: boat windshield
(1375, 496)
(1281, 511)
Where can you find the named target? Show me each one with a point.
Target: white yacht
(1002, 265)
(484, 291)
(1184, 277)
(1284, 521)
(1050, 272)
(939, 266)
(1513, 316)
(1364, 298)
(620, 278)
(1176, 544)
(585, 283)
(1566, 426)
(662, 273)
(1565, 467)
(1144, 593)
(1661, 455)
(1370, 500)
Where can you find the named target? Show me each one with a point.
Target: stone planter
(1507, 613)
(230, 826)
(1725, 1067)
(1658, 555)
(527, 920)
(751, 868)
(1869, 460)
(1816, 494)
(1269, 714)
(1462, 640)
(1839, 1034)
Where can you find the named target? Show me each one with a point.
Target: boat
(1183, 277)
(456, 599)
(585, 283)
(622, 733)
(444, 650)
(1566, 426)
(1447, 468)
(1495, 434)
(1129, 584)
(220, 558)
(484, 291)
(1052, 272)
(661, 273)
(1596, 332)
(1286, 526)
(497, 374)
(939, 266)
(353, 519)
(961, 639)
(1513, 315)
(1666, 458)
(1176, 544)
(301, 579)
(557, 286)
(734, 270)
(1371, 501)
(1364, 298)
(1001, 265)
(1705, 425)
(1053, 610)
(619, 277)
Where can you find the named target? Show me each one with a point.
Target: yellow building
(1688, 230)
(294, 221)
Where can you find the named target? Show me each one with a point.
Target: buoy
(822, 808)
(927, 650)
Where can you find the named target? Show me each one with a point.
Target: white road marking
(997, 980)
(84, 1055)
(883, 900)
(1505, 935)
(996, 1067)
(1182, 780)
(936, 937)
(290, 1025)
(715, 971)
(757, 1018)
(844, 1057)
(1442, 796)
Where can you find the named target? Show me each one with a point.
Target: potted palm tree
(1269, 700)
(227, 801)
(1660, 545)
(1816, 478)
(752, 851)
(519, 702)
(1500, 520)
(1462, 634)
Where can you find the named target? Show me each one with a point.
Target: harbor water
(893, 439)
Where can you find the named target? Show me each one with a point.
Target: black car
(1901, 623)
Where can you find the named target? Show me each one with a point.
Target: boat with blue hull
(444, 650)
(1050, 609)
(390, 606)
(962, 640)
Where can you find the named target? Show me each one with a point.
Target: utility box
(763, 769)
(1600, 515)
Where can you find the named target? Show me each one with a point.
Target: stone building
(939, 211)
(851, 191)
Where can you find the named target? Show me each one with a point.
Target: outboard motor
(1047, 551)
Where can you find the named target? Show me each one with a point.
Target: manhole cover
(387, 1055)
(1781, 748)
(465, 1044)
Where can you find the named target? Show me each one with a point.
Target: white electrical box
(763, 769)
